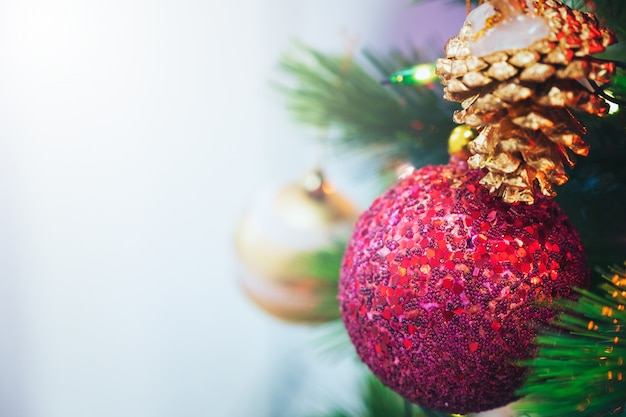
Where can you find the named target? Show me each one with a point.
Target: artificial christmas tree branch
(391, 122)
(380, 401)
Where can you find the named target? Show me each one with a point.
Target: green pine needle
(339, 95)
(332, 341)
(579, 369)
(380, 401)
(324, 263)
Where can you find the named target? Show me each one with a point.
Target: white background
(132, 134)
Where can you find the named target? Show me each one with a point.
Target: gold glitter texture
(519, 100)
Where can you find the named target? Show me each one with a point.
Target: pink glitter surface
(441, 283)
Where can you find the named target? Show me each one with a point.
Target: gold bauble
(281, 226)
(459, 138)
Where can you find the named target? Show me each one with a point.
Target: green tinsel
(579, 369)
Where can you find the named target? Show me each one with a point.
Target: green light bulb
(419, 74)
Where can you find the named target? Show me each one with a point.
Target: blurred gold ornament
(281, 231)
(516, 68)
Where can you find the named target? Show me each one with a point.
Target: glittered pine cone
(517, 72)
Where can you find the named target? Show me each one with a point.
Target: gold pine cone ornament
(518, 67)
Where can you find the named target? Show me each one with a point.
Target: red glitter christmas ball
(443, 286)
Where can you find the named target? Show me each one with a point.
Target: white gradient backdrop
(132, 133)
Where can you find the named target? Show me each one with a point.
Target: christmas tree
(489, 277)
